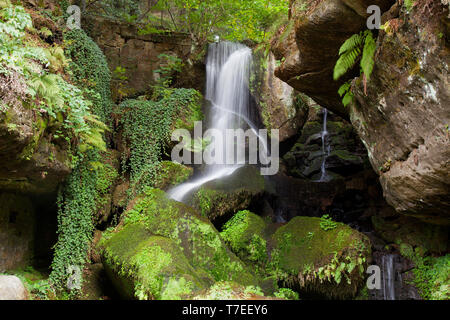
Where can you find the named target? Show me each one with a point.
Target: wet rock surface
(340, 149)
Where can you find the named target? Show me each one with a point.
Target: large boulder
(320, 258)
(403, 120)
(164, 249)
(308, 46)
(11, 288)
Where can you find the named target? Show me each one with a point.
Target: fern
(56, 58)
(348, 53)
(46, 86)
(361, 45)
(367, 61)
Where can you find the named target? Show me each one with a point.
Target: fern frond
(354, 41)
(346, 62)
(367, 61)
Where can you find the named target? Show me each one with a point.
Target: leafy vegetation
(147, 129)
(326, 223)
(349, 53)
(231, 20)
(78, 197)
(431, 274)
(286, 293)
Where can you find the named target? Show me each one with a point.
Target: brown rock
(403, 121)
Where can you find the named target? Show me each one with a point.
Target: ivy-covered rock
(145, 128)
(170, 174)
(222, 198)
(320, 258)
(196, 242)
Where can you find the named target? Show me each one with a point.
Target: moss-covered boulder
(223, 197)
(145, 266)
(171, 174)
(245, 235)
(190, 243)
(320, 258)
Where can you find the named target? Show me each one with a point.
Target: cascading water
(227, 73)
(326, 148)
(388, 277)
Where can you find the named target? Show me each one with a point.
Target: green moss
(200, 241)
(431, 274)
(151, 267)
(170, 174)
(345, 155)
(35, 282)
(330, 263)
(244, 234)
(224, 197)
(147, 128)
(39, 127)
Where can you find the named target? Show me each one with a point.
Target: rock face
(124, 47)
(280, 106)
(17, 231)
(30, 161)
(164, 249)
(309, 47)
(403, 119)
(11, 288)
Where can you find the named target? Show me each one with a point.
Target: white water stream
(227, 88)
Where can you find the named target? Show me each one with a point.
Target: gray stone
(11, 288)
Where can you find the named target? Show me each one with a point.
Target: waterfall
(326, 148)
(388, 277)
(227, 88)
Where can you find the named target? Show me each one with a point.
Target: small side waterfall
(388, 277)
(326, 148)
(227, 88)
